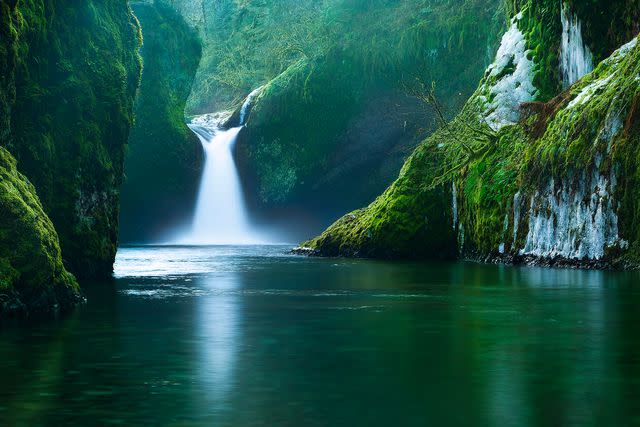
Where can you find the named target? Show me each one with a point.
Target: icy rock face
(621, 52)
(509, 80)
(575, 218)
(576, 60)
(593, 88)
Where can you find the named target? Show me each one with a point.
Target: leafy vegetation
(331, 68)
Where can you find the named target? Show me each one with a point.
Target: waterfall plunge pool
(251, 336)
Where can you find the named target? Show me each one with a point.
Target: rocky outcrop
(573, 208)
(334, 123)
(32, 277)
(331, 130)
(535, 179)
(70, 72)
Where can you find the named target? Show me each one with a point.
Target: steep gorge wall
(32, 276)
(69, 77)
(76, 73)
(330, 131)
(551, 174)
(334, 122)
(164, 158)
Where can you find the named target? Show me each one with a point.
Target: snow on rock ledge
(575, 216)
(509, 80)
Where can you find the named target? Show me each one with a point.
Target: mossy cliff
(336, 125)
(527, 172)
(32, 276)
(334, 122)
(72, 70)
(164, 159)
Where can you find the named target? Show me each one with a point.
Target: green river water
(250, 336)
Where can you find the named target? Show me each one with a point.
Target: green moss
(542, 28)
(487, 187)
(409, 220)
(328, 67)
(592, 109)
(278, 152)
(607, 25)
(74, 71)
(163, 163)
(415, 219)
(32, 276)
(572, 132)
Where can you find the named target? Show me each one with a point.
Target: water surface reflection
(249, 336)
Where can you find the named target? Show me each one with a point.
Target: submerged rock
(303, 250)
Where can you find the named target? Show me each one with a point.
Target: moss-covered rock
(72, 70)
(164, 159)
(410, 220)
(553, 182)
(32, 276)
(334, 128)
(335, 122)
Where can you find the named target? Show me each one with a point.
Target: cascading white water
(221, 215)
(576, 60)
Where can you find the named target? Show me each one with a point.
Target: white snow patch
(591, 89)
(621, 52)
(515, 87)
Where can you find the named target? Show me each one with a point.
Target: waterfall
(576, 60)
(221, 215)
